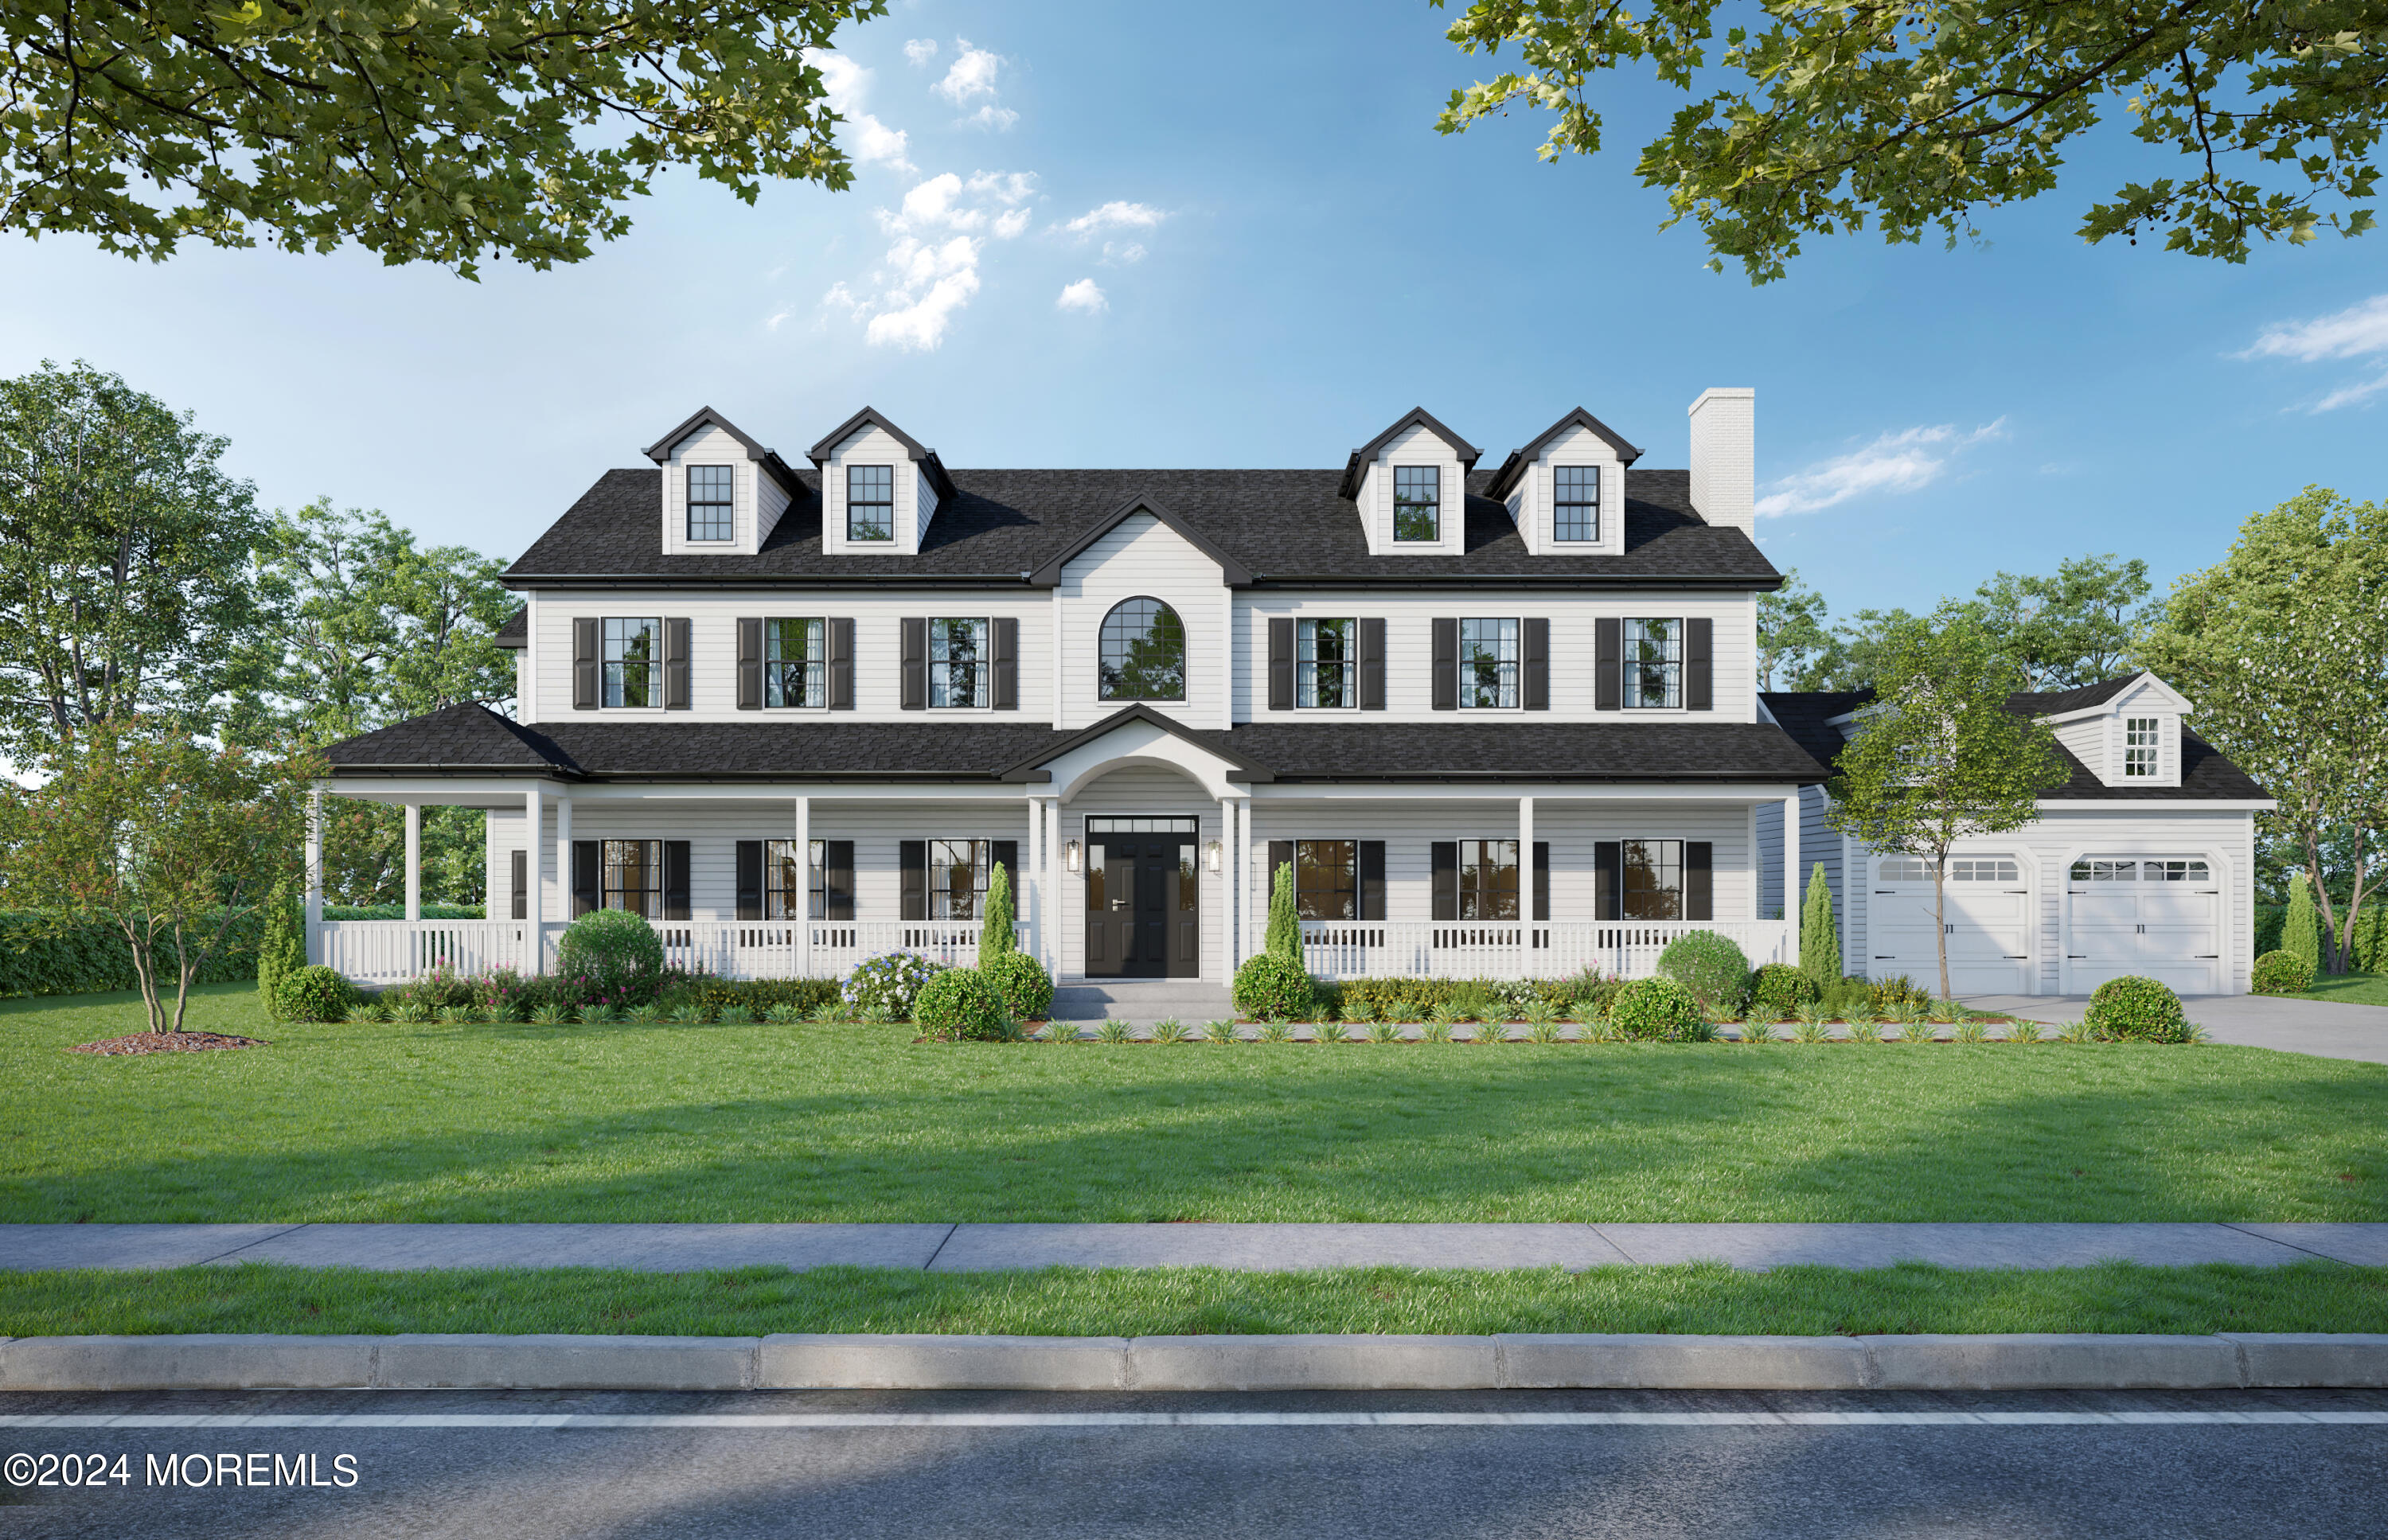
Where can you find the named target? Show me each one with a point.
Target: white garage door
(2158, 917)
(1986, 912)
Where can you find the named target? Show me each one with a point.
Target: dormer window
(2141, 747)
(1576, 503)
(1417, 502)
(709, 508)
(871, 502)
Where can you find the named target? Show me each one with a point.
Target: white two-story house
(1501, 722)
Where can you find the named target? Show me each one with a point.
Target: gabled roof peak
(777, 469)
(872, 417)
(1416, 417)
(1518, 459)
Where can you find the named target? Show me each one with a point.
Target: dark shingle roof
(1283, 526)
(2056, 702)
(515, 632)
(2205, 776)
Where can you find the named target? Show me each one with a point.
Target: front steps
(1143, 1000)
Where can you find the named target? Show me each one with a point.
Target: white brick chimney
(1724, 459)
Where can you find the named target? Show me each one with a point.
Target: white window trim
(1682, 668)
(986, 662)
(798, 710)
(1393, 536)
(1297, 709)
(1519, 622)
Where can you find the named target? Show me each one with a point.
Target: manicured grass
(768, 1123)
(1706, 1297)
(2355, 988)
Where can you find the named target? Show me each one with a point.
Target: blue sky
(1242, 243)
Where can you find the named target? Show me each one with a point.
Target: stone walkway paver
(1247, 1247)
(2325, 1029)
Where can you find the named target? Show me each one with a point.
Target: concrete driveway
(2326, 1029)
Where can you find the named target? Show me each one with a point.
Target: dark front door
(1143, 908)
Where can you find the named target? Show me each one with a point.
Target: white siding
(1538, 514)
(710, 446)
(1415, 447)
(2087, 739)
(1820, 844)
(924, 502)
(873, 446)
(1141, 557)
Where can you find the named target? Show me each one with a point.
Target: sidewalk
(1245, 1247)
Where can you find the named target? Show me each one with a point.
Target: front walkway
(1245, 1247)
(2325, 1029)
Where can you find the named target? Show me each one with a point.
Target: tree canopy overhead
(1917, 115)
(434, 133)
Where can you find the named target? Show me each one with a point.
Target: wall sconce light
(1070, 854)
(1215, 854)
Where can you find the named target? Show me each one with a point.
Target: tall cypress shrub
(1820, 935)
(281, 946)
(1283, 924)
(995, 936)
(2301, 930)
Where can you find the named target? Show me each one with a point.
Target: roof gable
(1232, 572)
(872, 417)
(661, 449)
(1418, 417)
(1513, 467)
(1033, 768)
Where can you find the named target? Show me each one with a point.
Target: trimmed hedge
(2281, 973)
(92, 957)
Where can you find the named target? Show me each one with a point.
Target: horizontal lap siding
(1819, 845)
(1142, 557)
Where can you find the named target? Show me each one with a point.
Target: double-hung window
(2141, 750)
(1653, 879)
(710, 515)
(795, 663)
(959, 871)
(1488, 665)
(793, 890)
(1488, 879)
(959, 671)
(871, 502)
(1326, 880)
(1654, 665)
(633, 662)
(1417, 502)
(631, 877)
(1575, 499)
(1326, 671)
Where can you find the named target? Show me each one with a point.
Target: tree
(1853, 659)
(1790, 628)
(2284, 648)
(1938, 758)
(1820, 937)
(995, 936)
(2300, 937)
(510, 127)
(1917, 115)
(149, 830)
(282, 942)
(2074, 628)
(124, 583)
(1283, 938)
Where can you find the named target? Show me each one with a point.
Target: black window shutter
(584, 665)
(1446, 879)
(676, 668)
(841, 667)
(914, 860)
(588, 866)
(675, 879)
(1280, 855)
(1608, 665)
(1699, 880)
(1006, 854)
(750, 667)
(1608, 878)
(1372, 665)
(1446, 665)
(837, 879)
(1542, 879)
(1006, 658)
(521, 884)
(1534, 654)
(916, 672)
(1699, 664)
(750, 879)
(1372, 879)
(1280, 663)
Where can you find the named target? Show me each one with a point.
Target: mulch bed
(166, 1042)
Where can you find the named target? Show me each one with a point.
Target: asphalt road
(844, 1465)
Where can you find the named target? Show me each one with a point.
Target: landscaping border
(1571, 1361)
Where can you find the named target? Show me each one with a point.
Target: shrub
(1660, 1009)
(1269, 988)
(500, 995)
(1820, 936)
(2135, 1010)
(281, 944)
(718, 995)
(1026, 988)
(1845, 997)
(1778, 990)
(1284, 935)
(613, 957)
(888, 983)
(1711, 966)
(2282, 973)
(2301, 927)
(1389, 999)
(37, 959)
(995, 931)
(1895, 993)
(962, 1005)
(434, 992)
(315, 993)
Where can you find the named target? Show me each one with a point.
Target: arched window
(1143, 652)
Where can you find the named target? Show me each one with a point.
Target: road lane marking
(836, 1420)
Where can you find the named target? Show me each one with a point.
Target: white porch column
(1794, 889)
(314, 877)
(1228, 910)
(1528, 905)
(804, 898)
(413, 862)
(1025, 884)
(1057, 889)
(534, 905)
(1256, 896)
(563, 864)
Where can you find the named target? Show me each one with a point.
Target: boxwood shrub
(1777, 990)
(2282, 973)
(962, 1005)
(1711, 966)
(613, 958)
(1026, 988)
(1656, 1009)
(315, 993)
(1270, 987)
(2135, 1010)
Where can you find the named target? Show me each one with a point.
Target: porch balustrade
(379, 952)
(391, 951)
(1437, 949)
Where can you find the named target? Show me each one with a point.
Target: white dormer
(880, 487)
(1390, 478)
(723, 493)
(2127, 733)
(1566, 490)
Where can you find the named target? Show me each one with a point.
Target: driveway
(2326, 1029)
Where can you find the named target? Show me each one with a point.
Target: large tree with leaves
(2074, 627)
(1919, 115)
(124, 552)
(437, 133)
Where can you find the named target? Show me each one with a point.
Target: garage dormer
(1566, 490)
(722, 491)
(2126, 731)
(1410, 486)
(880, 487)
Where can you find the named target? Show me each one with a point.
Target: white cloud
(1115, 215)
(2347, 396)
(990, 117)
(2356, 331)
(1083, 295)
(1131, 252)
(1008, 225)
(931, 270)
(1008, 187)
(845, 85)
(931, 204)
(1903, 462)
(921, 50)
(923, 285)
(972, 74)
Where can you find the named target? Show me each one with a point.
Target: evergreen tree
(995, 936)
(1820, 937)
(1283, 924)
(2300, 933)
(282, 948)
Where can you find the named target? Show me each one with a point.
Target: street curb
(1523, 1362)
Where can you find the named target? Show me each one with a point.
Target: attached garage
(1986, 912)
(2156, 915)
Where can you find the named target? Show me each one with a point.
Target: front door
(1143, 908)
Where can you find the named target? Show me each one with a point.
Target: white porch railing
(1421, 949)
(391, 951)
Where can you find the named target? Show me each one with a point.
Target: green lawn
(2357, 988)
(768, 1123)
(1707, 1298)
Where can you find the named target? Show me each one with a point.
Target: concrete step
(1142, 1000)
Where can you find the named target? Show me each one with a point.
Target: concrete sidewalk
(2325, 1029)
(1245, 1247)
